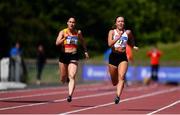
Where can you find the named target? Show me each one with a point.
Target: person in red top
(154, 55)
(67, 41)
(130, 58)
(129, 54)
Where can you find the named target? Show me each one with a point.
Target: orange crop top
(71, 41)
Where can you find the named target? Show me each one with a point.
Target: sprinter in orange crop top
(68, 60)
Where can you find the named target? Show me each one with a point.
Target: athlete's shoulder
(112, 31)
(128, 31)
(65, 30)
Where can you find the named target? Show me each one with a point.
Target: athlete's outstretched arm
(83, 43)
(131, 41)
(60, 39)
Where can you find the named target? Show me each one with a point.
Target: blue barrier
(134, 73)
(91, 72)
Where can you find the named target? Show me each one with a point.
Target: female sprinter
(118, 39)
(68, 61)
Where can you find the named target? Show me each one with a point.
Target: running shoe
(116, 100)
(69, 98)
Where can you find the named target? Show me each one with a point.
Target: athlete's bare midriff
(70, 50)
(119, 49)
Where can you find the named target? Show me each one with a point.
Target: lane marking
(60, 100)
(87, 96)
(54, 93)
(47, 88)
(35, 95)
(124, 100)
(28, 90)
(142, 88)
(79, 89)
(172, 104)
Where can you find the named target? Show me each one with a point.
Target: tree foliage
(39, 21)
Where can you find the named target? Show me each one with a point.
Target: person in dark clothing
(41, 60)
(15, 63)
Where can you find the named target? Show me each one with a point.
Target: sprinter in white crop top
(118, 39)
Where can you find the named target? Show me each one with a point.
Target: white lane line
(142, 88)
(35, 95)
(80, 97)
(79, 89)
(124, 100)
(48, 88)
(55, 93)
(29, 90)
(172, 104)
(60, 100)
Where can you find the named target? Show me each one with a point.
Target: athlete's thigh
(63, 69)
(113, 73)
(122, 69)
(112, 70)
(72, 69)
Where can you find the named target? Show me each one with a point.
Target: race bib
(122, 42)
(72, 40)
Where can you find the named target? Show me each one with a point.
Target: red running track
(93, 99)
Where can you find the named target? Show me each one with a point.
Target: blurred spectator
(129, 54)
(41, 60)
(154, 55)
(130, 58)
(15, 63)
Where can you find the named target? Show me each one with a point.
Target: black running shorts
(66, 58)
(116, 58)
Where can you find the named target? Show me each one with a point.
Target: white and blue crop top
(122, 42)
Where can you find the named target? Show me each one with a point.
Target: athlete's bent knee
(114, 83)
(121, 78)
